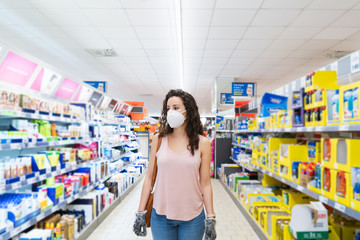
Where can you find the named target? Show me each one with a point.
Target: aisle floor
(231, 224)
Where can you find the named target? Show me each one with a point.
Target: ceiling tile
(117, 32)
(149, 17)
(193, 60)
(81, 31)
(305, 53)
(350, 19)
(332, 4)
(226, 32)
(163, 60)
(347, 45)
(193, 44)
(197, 4)
(45, 31)
(106, 60)
(243, 4)
(232, 17)
(286, 44)
(285, 4)
(195, 32)
(25, 17)
(226, 53)
(275, 53)
(293, 61)
(357, 6)
(193, 53)
(299, 32)
(107, 17)
(196, 17)
(340, 33)
(319, 44)
(266, 61)
(124, 52)
(355, 36)
(161, 53)
(154, 32)
(51, 4)
(211, 66)
(148, 4)
(263, 32)
(220, 61)
(243, 61)
(253, 44)
(247, 53)
(267, 17)
(157, 43)
(110, 4)
(221, 44)
(316, 18)
(136, 60)
(119, 43)
(70, 17)
(95, 43)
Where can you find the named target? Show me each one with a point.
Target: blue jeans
(165, 229)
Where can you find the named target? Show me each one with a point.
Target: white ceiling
(270, 42)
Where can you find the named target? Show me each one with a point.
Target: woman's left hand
(210, 232)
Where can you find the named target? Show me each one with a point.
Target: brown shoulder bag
(149, 204)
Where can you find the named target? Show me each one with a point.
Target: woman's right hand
(140, 228)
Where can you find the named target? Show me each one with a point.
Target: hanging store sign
(101, 86)
(240, 89)
(16, 69)
(226, 98)
(46, 81)
(67, 89)
(355, 62)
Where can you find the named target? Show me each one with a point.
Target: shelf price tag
(323, 199)
(344, 128)
(340, 207)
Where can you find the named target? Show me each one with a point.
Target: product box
(328, 182)
(349, 103)
(309, 221)
(278, 228)
(343, 188)
(272, 103)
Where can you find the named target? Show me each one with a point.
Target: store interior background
(143, 48)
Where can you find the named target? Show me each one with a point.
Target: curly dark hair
(194, 127)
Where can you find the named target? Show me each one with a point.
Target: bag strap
(155, 165)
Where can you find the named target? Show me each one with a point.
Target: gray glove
(140, 224)
(210, 232)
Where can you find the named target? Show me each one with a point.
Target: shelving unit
(339, 128)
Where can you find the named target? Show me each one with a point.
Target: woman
(183, 185)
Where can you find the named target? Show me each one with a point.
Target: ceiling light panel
(226, 32)
(267, 17)
(263, 32)
(149, 17)
(196, 17)
(332, 4)
(197, 4)
(317, 18)
(232, 17)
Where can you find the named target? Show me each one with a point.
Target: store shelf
(340, 207)
(247, 167)
(23, 182)
(257, 229)
(340, 128)
(10, 113)
(224, 131)
(19, 146)
(242, 146)
(11, 232)
(121, 144)
(96, 222)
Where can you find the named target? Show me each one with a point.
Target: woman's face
(176, 103)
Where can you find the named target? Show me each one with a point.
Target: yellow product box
(328, 182)
(291, 153)
(343, 188)
(263, 196)
(265, 218)
(347, 154)
(279, 228)
(349, 103)
(333, 235)
(328, 152)
(289, 119)
(322, 79)
(291, 197)
(260, 207)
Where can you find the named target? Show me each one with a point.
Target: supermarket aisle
(231, 225)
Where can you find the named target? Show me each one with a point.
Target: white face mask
(175, 118)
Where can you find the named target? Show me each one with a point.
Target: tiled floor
(231, 224)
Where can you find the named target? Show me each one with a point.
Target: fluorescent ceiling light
(179, 41)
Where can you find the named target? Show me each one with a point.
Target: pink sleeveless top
(177, 190)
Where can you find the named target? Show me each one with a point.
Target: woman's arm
(205, 180)
(145, 193)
